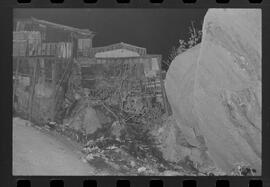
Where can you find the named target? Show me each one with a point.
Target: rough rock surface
(215, 89)
(177, 147)
(85, 118)
(179, 136)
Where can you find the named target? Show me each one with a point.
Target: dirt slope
(38, 153)
(215, 89)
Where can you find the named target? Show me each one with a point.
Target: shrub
(195, 36)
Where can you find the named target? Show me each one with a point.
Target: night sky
(158, 30)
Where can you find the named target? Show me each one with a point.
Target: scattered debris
(243, 169)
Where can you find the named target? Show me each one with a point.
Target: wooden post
(55, 86)
(31, 99)
(16, 81)
(164, 95)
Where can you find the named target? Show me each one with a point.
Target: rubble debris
(243, 169)
(141, 169)
(132, 164)
(116, 129)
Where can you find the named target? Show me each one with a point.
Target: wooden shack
(43, 57)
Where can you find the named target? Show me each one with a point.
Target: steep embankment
(215, 89)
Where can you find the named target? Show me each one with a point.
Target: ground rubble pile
(130, 143)
(122, 141)
(129, 149)
(134, 147)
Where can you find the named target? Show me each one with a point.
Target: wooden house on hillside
(43, 56)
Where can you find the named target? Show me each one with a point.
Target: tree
(195, 36)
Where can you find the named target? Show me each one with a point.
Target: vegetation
(195, 36)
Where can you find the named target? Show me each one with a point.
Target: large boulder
(180, 135)
(177, 147)
(215, 89)
(86, 119)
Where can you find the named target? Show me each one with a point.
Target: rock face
(180, 136)
(84, 117)
(215, 89)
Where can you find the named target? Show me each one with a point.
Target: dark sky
(155, 29)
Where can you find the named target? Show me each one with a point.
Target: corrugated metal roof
(85, 32)
(68, 28)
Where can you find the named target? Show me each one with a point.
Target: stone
(132, 163)
(141, 169)
(215, 91)
(116, 129)
(172, 173)
(86, 119)
(89, 157)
